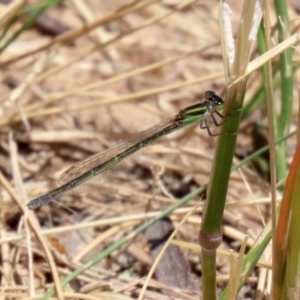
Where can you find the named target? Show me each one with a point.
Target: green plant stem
(286, 70)
(208, 267)
(217, 187)
(210, 235)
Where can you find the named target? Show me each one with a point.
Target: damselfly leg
(212, 101)
(204, 124)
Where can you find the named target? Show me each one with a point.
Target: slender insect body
(99, 163)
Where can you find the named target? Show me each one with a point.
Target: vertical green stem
(210, 235)
(209, 280)
(286, 70)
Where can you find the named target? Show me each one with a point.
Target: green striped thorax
(200, 111)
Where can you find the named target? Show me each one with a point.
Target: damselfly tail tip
(34, 204)
(39, 201)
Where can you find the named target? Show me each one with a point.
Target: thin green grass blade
(34, 13)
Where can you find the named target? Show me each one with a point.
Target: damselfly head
(215, 99)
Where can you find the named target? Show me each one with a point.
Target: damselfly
(105, 160)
